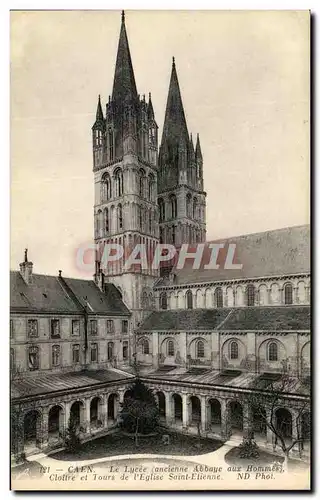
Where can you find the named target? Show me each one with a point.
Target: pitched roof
(44, 383)
(230, 319)
(175, 125)
(278, 252)
(124, 85)
(96, 301)
(44, 294)
(50, 294)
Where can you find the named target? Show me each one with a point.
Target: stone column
(44, 433)
(104, 411)
(86, 424)
(296, 429)
(169, 405)
(67, 407)
(203, 413)
(225, 424)
(155, 350)
(185, 411)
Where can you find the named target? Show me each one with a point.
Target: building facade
(203, 339)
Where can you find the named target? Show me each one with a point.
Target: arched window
(118, 177)
(234, 350)
(161, 234)
(12, 359)
(110, 144)
(173, 234)
(170, 348)
(55, 355)
(189, 300)
(150, 187)
(162, 214)
(140, 217)
(288, 295)
(145, 347)
(173, 206)
(99, 214)
(163, 301)
(218, 298)
(105, 187)
(195, 208)
(189, 205)
(150, 221)
(250, 295)
(119, 216)
(106, 220)
(141, 182)
(200, 349)
(273, 351)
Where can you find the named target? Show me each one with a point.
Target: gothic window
(32, 328)
(125, 349)
(75, 327)
(105, 187)
(94, 353)
(99, 222)
(161, 209)
(272, 351)
(145, 347)
(118, 177)
(111, 145)
(173, 235)
(195, 208)
(250, 295)
(11, 328)
(189, 299)
(93, 327)
(188, 205)
(141, 183)
(144, 300)
(110, 350)
(76, 353)
(98, 137)
(124, 326)
(170, 348)
(106, 220)
(200, 349)
(163, 301)
(55, 355)
(234, 350)
(288, 299)
(33, 358)
(173, 206)
(139, 217)
(218, 297)
(150, 187)
(55, 329)
(161, 235)
(119, 216)
(110, 326)
(11, 358)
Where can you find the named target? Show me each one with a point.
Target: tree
(72, 439)
(139, 413)
(266, 401)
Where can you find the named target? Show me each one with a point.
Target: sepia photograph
(160, 250)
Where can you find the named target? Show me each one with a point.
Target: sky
(244, 80)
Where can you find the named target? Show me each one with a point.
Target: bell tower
(181, 198)
(125, 164)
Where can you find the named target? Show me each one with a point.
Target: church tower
(181, 199)
(125, 145)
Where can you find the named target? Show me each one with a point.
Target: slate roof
(50, 294)
(227, 379)
(267, 318)
(45, 383)
(271, 253)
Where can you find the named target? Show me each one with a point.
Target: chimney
(26, 269)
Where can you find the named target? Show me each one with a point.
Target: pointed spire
(150, 108)
(191, 143)
(175, 125)
(124, 85)
(198, 148)
(99, 113)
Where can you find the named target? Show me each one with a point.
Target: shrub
(248, 449)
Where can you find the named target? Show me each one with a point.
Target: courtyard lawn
(265, 458)
(121, 444)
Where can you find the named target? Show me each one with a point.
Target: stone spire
(99, 113)
(175, 126)
(124, 85)
(150, 108)
(198, 149)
